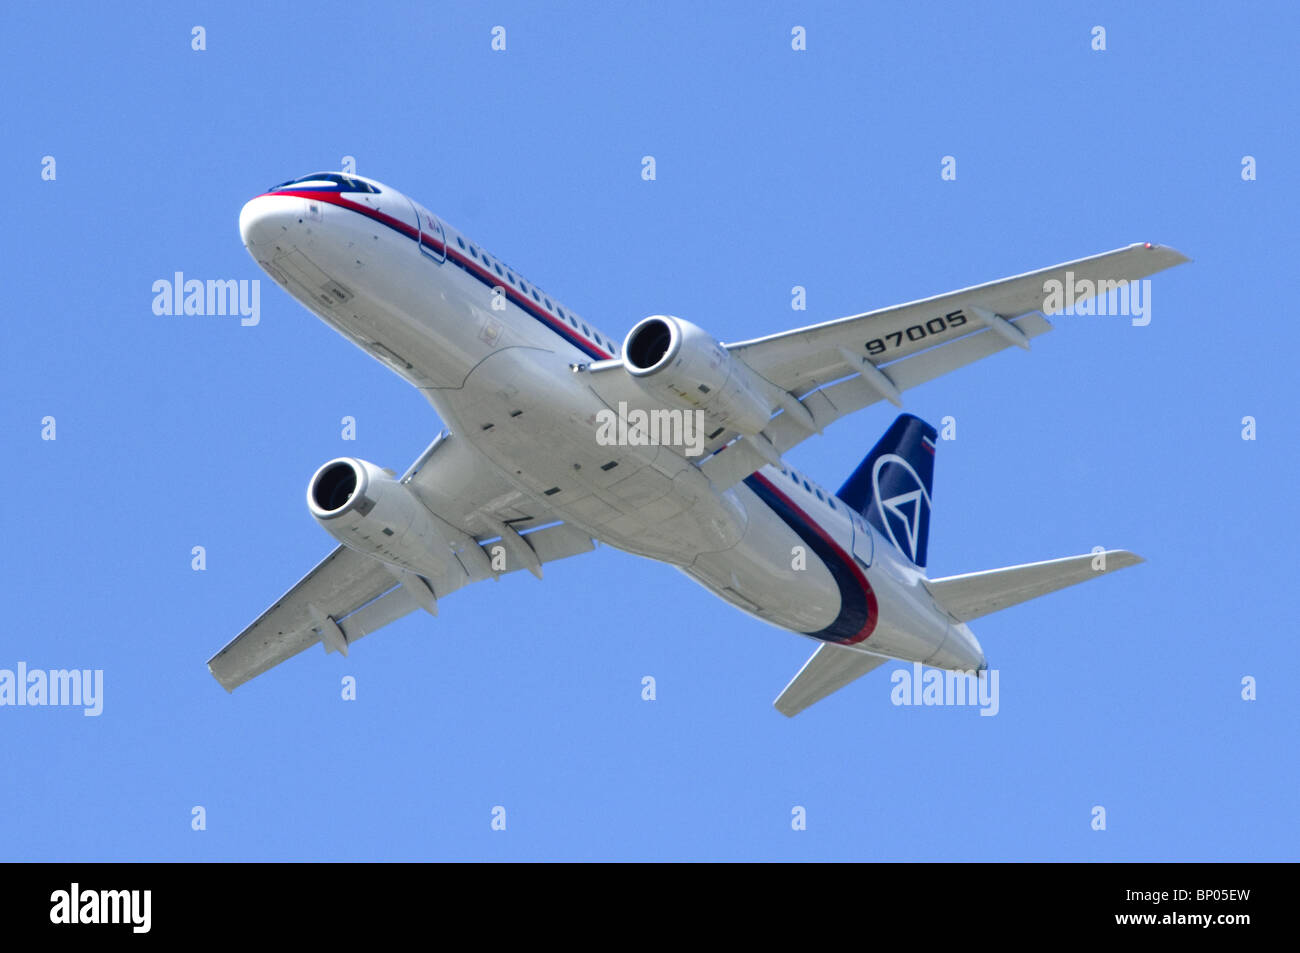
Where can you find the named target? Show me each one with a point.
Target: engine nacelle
(367, 510)
(678, 363)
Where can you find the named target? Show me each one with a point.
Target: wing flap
(976, 594)
(828, 670)
(341, 583)
(391, 606)
(558, 542)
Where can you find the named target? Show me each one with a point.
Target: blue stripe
(522, 302)
(854, 612)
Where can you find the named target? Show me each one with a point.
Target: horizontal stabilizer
(977, 594)
(829, 669)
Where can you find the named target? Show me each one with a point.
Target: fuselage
(501, 360)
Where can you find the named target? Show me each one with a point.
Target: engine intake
(333, 487)
(367, 510)
(678, 363)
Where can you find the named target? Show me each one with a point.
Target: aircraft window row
(539, 298)
(797, 480)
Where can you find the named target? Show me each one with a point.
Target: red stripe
(333, 198)
(558, 323)
(418, 235)
(852, 563)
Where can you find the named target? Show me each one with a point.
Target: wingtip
(1123, 558)
(1178, 257)
(230, 689)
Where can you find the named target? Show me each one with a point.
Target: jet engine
(367, 510)
(680, 364)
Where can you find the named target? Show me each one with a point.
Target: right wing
(829, 669)
(820, 373)
(349, 594)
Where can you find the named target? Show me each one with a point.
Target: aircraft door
(864, 545)
(433, 240)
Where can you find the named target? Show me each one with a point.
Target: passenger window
(585, 331)
(460, 243)
(497, 267)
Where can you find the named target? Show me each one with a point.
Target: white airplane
(667, 446)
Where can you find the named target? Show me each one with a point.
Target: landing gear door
(864, 546)
(433, 241)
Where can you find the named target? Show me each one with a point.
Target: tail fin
(891, 487)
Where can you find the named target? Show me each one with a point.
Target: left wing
(349, 594)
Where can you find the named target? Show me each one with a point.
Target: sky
(775, 168)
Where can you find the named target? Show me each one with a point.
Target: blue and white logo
(906, 509)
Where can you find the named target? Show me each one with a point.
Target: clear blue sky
(775, 169)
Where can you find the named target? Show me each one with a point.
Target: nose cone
(267, 220)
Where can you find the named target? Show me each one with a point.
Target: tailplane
(976, 594)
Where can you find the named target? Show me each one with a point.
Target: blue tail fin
(892, 486)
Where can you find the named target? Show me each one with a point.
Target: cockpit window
(328, 182)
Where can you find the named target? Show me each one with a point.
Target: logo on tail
(904, 511)
(892, 486)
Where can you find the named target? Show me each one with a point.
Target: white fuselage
(495, 355)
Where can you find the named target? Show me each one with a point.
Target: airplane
(532, 466)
